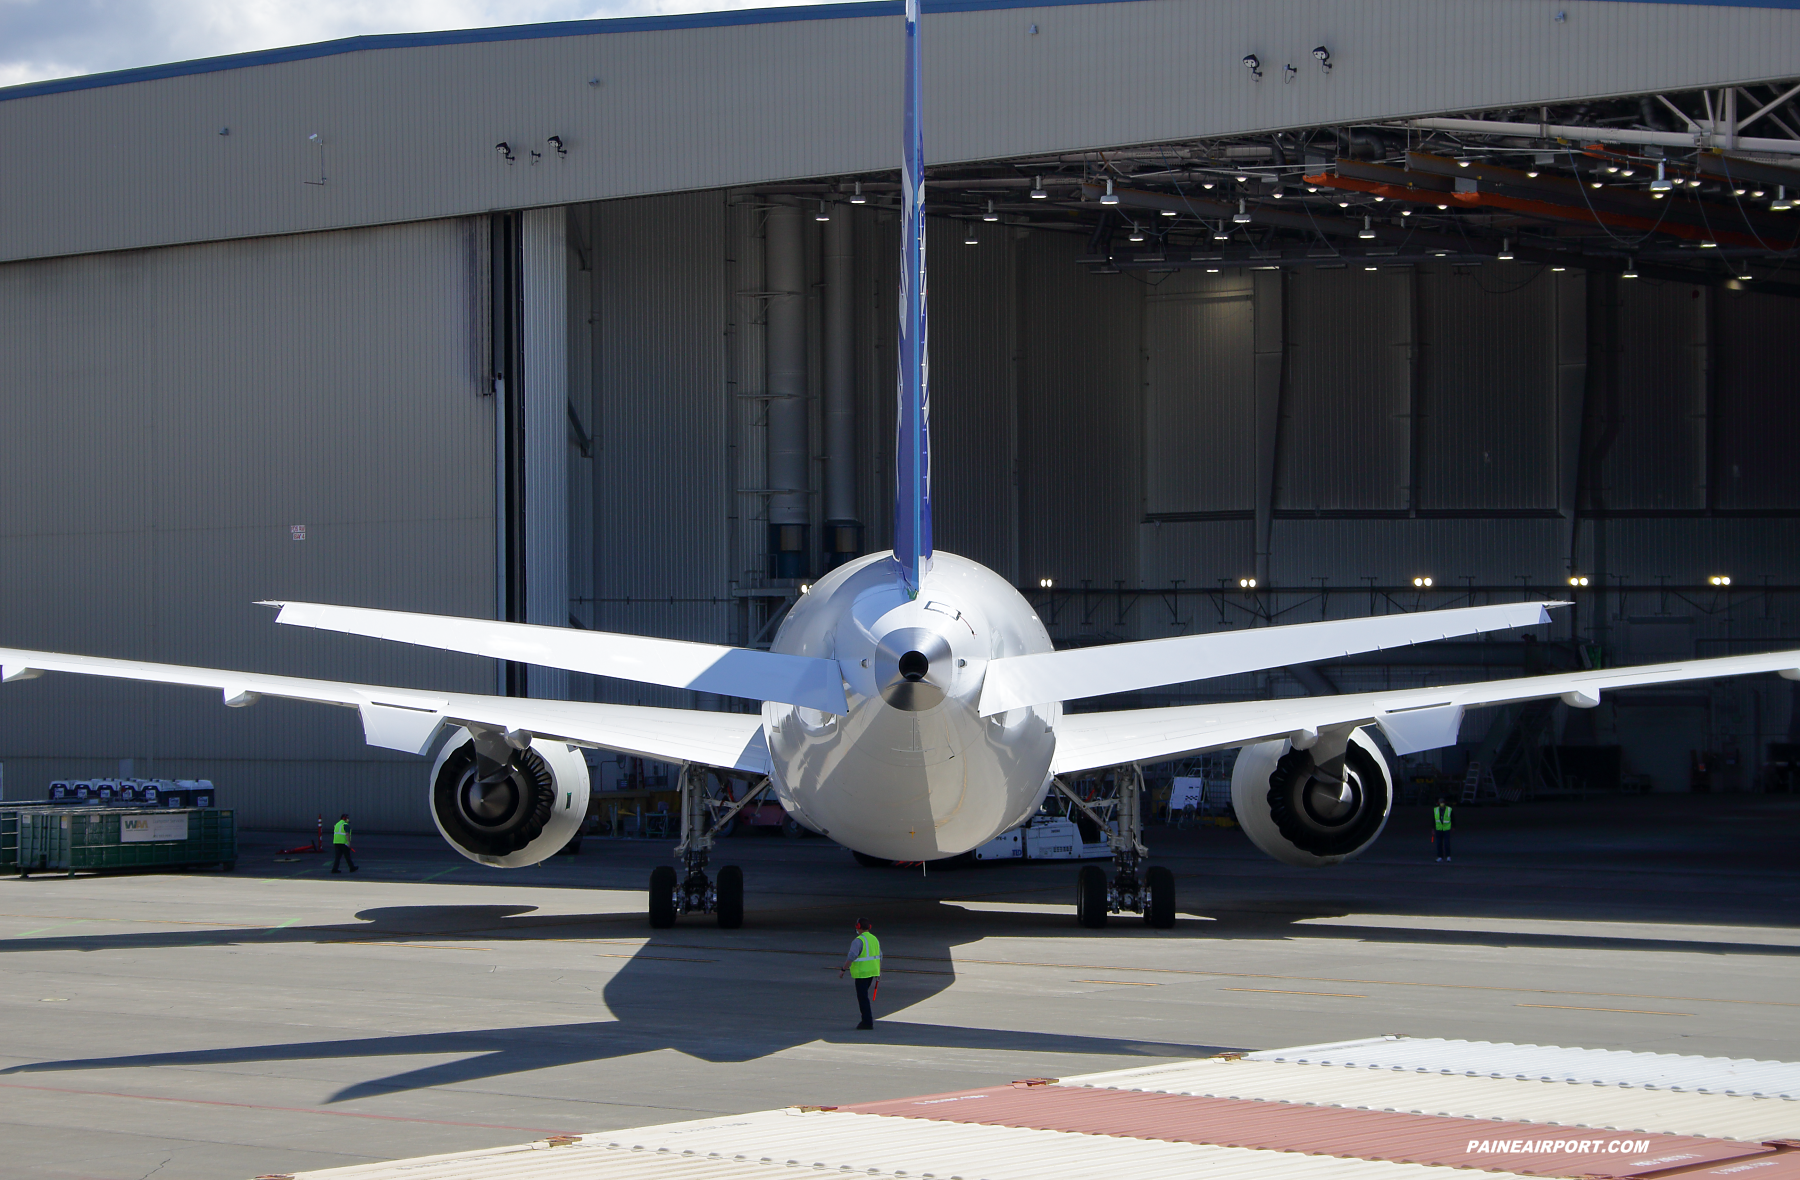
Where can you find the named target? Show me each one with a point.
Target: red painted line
(342, 1114)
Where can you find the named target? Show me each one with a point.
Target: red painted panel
(1529, 1148)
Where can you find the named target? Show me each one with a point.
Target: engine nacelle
(1307, 821)
(511, 812)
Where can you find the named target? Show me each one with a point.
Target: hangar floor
(275, 1020)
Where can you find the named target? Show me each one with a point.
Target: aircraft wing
(410, 719)
(1015, 682)
(675, 663)
(1412, 719)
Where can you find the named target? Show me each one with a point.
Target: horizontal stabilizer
(411, 720)
(1016, 682)
(1412, 719)
(674, 663)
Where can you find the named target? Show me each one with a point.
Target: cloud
(62, 38)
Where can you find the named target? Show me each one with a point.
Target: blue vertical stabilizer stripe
(912, 467)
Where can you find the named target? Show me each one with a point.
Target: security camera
(1253, 64)
(1324, 56)
(556, 142)
(505, 150)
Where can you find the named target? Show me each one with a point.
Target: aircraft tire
(662, 897)
(730, 891)
(1090, 896)
(1160, 913)
(792, 828)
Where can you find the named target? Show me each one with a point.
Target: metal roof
(583, 28)
(402, 129)
(1550, 1103)
(772, 1143)
(1313, 1130)
(1600, 1067)
(1132, 1122)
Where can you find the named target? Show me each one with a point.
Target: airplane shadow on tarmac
(671, 992)
(657, 1001)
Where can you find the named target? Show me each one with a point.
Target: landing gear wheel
(872, 862)
(792, 828)
(729, 887)
(1159, 907)
(1090, 896)
(662, 897)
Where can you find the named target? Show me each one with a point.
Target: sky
(62, 38)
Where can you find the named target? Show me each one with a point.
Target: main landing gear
(1153, 893)
(689, 890)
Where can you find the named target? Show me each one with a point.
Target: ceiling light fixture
(1109, 197)
(1780, 204)
(1422, 583)
(1170, 213)
(823, 214)
(1366, 231)
(1242, 216)
(1037, 190)
(1219, 235)
(990, 215)
(1136, 235)
(969, 239)
(1662, 183)
(856, 198)
(1630, 269)
(1506, 254)
(1709, 245)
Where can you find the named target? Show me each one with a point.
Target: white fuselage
(913, 772)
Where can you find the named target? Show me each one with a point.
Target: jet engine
(505, 800)
(1303, 815)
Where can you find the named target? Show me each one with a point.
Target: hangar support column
(790, 514)
(531, 387)
(1269, 348)
(843, 533)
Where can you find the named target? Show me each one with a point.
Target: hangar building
(593, 324)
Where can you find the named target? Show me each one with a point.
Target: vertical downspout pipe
(843, 533)
(789, 511)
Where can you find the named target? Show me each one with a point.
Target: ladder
(1478, 783)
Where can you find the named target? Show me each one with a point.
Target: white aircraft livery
(912, 702)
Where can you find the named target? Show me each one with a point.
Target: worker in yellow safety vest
(340, 843)
(864, 965)
(1440, 823)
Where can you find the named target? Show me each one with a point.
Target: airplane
(912, 701)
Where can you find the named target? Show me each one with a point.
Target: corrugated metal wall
(662, 409)
(1346, 410)
(409, 133)
(172, 416)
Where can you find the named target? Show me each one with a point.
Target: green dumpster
(93, 839)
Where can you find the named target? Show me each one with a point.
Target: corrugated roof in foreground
(1554, 1104)
(772, 1143)
(1602, 1067)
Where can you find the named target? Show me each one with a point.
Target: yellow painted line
(1632, 1011)
(1275, 991)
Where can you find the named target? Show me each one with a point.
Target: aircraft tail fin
(912, 468)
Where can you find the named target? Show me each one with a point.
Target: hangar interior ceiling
(1697, 186)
